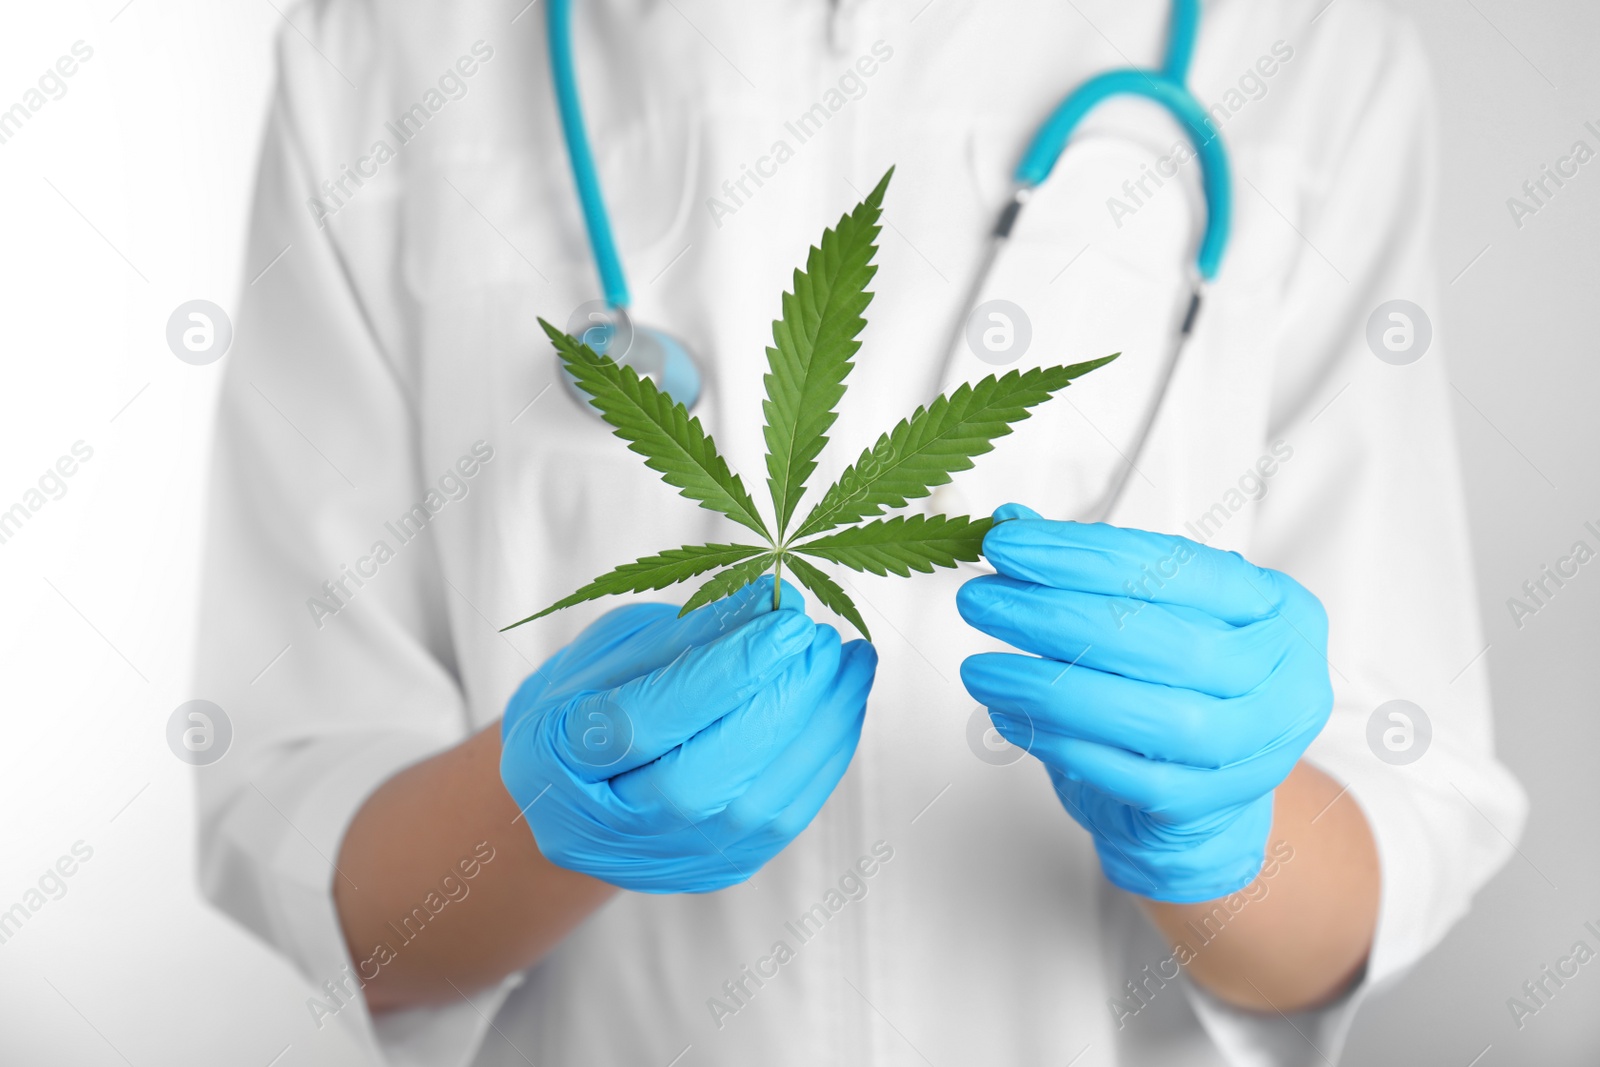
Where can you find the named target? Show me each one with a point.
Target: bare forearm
(1295, 937)
(437, 821)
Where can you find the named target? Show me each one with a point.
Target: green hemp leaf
(813, 348)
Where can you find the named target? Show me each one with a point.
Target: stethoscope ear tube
(1147, 422)
(1167, 88)
(563, 72)
(1216, 178)
(651, 352)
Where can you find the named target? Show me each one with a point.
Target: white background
(128, 196)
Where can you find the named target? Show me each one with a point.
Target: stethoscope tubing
(585, 175)
(1166, 87)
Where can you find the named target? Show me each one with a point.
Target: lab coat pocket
(572, 501)
(493, 241)
(475, 216)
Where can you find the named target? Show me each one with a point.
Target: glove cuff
(1201, 870)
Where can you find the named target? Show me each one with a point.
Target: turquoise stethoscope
(667, 360)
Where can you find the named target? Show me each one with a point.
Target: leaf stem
(777, 582)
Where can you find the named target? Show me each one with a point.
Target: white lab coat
(382, 346)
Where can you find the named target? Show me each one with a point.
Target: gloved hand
(1178, 687)
(670, 755)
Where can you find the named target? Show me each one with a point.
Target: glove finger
(1006, 512)
(609, 631)
(1152, 720)
(1170, 792)
(577, 658)
(1157, 721)
(634, 640)
(1161, 643)
(790, 822)
(703, 775)
(603, 734)
(1114, 561)
(711, 621)
(815, 761)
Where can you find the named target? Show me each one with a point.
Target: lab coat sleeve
(1370, 516)
(330, 688)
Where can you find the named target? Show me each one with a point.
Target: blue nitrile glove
(1178, 688)
(670, 755)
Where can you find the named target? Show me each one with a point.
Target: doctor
(811, 850)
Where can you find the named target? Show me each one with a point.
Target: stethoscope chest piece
(652, 353)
